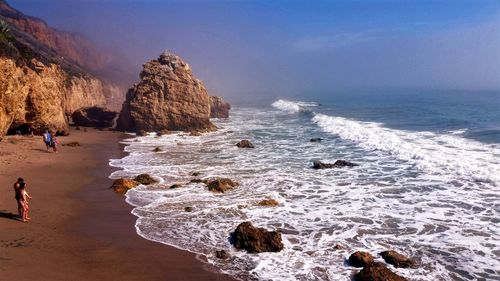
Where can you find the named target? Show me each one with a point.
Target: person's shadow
(7, 215)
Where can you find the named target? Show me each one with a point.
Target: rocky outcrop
(39, 86)
(338, 164)
(221, 185)
(123, 185)
(377, 272)
(360, 259)
(245, 144)
(38, 97)
(168, 97)
(256, 240)
(71, 49)
(94, 117)
(397, 259)
(219, 108)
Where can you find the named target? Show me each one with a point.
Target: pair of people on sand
(50, 141)
(22, 197)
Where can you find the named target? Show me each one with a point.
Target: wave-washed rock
(168, 97)
(377, 271)
(245, 144)
(360, 259)
(221, 185)
(256, 240)
(123, 185)
(398, 260)
(338, 164)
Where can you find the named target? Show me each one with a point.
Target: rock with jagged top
(168, 97)
(256, 239)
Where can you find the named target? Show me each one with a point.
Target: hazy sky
(248, 49)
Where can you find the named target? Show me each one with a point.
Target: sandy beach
(79, 228)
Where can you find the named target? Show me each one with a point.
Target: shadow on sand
(7, 215)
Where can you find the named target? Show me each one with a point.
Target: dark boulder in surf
(256, 240)
(245, 144)
(316, 140)
(338, 164)
(377, 272)
(145, 179)
(398, 260)
(221, 185)
(360, 259)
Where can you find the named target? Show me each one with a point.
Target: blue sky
(292, 48)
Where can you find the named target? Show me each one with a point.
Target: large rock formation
(39, 86)
(219, 108)
(72, 48)
(168, 97)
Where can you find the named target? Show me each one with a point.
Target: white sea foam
(410, 193)
(293, 106)
(445, 155)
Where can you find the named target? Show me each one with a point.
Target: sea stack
(168, 97)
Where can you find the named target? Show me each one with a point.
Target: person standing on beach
(18, 192)
(47, 139)
(24, 201)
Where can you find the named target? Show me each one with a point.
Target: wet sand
(79, 228)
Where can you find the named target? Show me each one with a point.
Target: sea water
(427, 185)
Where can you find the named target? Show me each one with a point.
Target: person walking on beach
(24, 201)
(53, 144)
(47, 139)
(18, 193)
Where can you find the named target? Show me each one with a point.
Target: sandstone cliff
(72, 52)
(168, 97)
(38, 86)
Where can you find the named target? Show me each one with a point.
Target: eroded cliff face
(42, 95)
(168, 97)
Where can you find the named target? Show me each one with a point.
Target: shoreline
(80, 229)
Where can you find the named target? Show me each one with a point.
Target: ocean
(427, 185)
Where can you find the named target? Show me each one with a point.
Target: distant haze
(246, 50)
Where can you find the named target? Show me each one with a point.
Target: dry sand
(79, 228)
